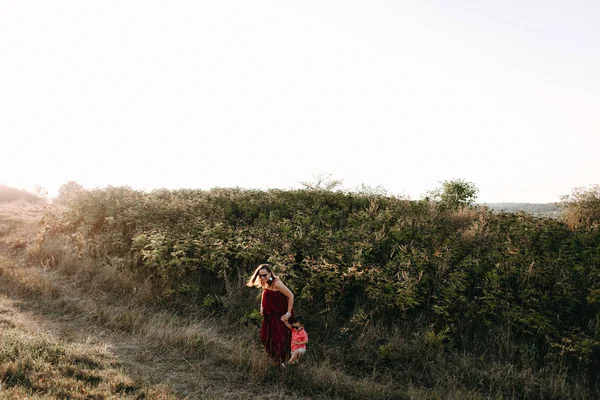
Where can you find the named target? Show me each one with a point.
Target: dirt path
(44, 303)
(67, 333)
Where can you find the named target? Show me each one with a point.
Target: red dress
(275, 336)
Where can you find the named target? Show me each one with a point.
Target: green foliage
(513, 285)
(455, 193)
(68, 192)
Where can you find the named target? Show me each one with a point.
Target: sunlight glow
(264, 95)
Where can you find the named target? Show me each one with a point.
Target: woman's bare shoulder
(277, 285)
(280, 287)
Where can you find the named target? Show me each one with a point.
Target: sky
(268, 94)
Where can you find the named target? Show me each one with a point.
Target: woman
(276, 306)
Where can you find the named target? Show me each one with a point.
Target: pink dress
(274, 335)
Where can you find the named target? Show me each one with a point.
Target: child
(299, 337)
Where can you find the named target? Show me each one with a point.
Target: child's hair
(296, 318)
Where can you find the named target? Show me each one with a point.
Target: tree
(322, 182)
(582, 207)
(368, 190)
(68, 191)
(455, 193)
(41, 193)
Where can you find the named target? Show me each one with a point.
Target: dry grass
(73, 328)
(463, 217)
(35, 364)
(19, 223)
(187, 354)
(98, 313)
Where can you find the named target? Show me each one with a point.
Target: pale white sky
(257, 94)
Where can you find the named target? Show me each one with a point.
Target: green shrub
(522, 289)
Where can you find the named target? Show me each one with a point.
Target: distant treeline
(538, 209)
(8, 193)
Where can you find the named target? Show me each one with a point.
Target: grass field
(72, 331)
(71, 328)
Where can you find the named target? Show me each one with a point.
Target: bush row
(509, 285)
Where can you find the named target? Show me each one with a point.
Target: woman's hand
(286, 316)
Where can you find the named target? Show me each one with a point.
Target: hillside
(538, 209)
(401, 298)
(389, 287)
(9, 194)
(79, 331)
(48, 350)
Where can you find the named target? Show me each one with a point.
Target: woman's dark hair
(252, 281)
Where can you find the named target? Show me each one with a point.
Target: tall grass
(19, 222)
(427, 370)
(34, 364)
(148, 292)
(198, 341)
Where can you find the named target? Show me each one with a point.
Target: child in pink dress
(299, 337)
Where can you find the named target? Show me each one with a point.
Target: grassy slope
(34, 363)
(74, 333)
(38, 360)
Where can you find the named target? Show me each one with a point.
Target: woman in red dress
(276, 306)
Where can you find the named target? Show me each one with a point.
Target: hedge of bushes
(509, 285)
